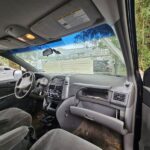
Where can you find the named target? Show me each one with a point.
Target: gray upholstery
(66, 120)
(49, 27)
(59, 139)
(72, 112)
(27, 15)
(145, 139)
(12, 138)
(12, 118)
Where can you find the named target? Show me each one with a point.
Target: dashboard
(42, 81)
(57, 88)
(106, 100)
(110, 97)
(53, 90)
(46, 86)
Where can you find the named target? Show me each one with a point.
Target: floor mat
(99, 135)
(40, 127)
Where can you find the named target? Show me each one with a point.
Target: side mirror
(17, 74)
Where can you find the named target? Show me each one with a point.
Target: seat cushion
(66, 119)
(12, 138)
(59, 139)
(12, 118)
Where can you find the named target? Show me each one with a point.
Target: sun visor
(73, 16)
(10, 43)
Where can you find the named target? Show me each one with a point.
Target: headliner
(24, 12)
(40, 17)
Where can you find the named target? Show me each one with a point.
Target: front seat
(12, 118)
(58, 139)
(16, 139)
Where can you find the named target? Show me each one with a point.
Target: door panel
(6, 88)
(7, 101)
(7, 98)
(145, 135)
(146, 95)
(7, 85)
(145, 140)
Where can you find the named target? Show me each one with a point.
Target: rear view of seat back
(59, 139)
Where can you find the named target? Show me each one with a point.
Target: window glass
(7, 68)
(142, 16)
(91, 51)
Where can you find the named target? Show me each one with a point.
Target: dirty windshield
(91, 51)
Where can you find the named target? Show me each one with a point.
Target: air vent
(119, 98)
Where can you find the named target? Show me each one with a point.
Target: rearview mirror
(47, 52)
(50, 51)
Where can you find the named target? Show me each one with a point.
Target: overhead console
(19, 37)
(70, 17)
(11, 43)
(24, 35)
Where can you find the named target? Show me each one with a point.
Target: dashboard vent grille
(119, 97)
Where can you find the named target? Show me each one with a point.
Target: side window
(142, 14)
(7, 68)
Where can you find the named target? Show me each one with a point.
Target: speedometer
(44, 81)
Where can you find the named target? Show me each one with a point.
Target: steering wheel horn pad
(24, 85)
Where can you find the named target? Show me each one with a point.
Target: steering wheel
(24, 85)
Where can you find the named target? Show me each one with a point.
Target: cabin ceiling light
(29, 36)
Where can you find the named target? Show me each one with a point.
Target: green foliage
(143, 32)
(3, 61)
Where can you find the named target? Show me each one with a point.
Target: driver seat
(12, 118)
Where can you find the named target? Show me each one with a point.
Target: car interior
(66, 110)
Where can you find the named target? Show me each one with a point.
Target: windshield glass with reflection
(91, 51)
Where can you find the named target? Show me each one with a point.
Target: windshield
(92, 51)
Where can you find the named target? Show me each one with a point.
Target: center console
(53, 97)
(53, 94)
